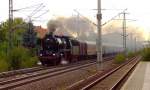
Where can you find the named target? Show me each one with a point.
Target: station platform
(139, 79)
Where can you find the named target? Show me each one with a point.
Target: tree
(29, 37)
(19, 56)
(3, 31)
(19, 26)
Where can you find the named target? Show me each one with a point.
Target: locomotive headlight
(47, 39)
(61, 54)
(41, 55)
(54, 54)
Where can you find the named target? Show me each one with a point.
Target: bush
(130, 55)
(3, 47)
(120, 58)
(29, 63)
(20, 57)
(4, 65)
(146, 54)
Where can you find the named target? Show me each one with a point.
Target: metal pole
(135, 44)
(10, 22)
(131, 41)
(149, 39)
(77, 26)
(124, 33)
(99, 36)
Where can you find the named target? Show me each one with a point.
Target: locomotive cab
(69, 48)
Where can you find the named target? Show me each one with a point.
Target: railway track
(28, 70)
(109, 80)
(34, 69)
(41, 74)
(22, 71)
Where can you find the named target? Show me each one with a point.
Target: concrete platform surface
(139, 79)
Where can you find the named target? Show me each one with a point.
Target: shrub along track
(109, 80)
(38, 74)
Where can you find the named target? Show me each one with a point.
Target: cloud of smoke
(73, 26)
(83, 30)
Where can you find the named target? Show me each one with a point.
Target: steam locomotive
(56, 49)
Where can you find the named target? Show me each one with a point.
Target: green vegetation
(18, 56)
(21, 57)
(146, 54)
(120, 58)
(4, 65)
(130, 54)
(19, 27)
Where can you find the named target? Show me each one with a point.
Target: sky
(137, 10)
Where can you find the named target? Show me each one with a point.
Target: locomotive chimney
(51, 26)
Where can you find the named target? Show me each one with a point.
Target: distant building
(41, 32)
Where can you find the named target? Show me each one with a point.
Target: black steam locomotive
(56, 49)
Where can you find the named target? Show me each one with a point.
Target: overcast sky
(138, 9)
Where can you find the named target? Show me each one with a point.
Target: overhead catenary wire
(41, 14)
(36, 10)
(28, 7)
(113, 18)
